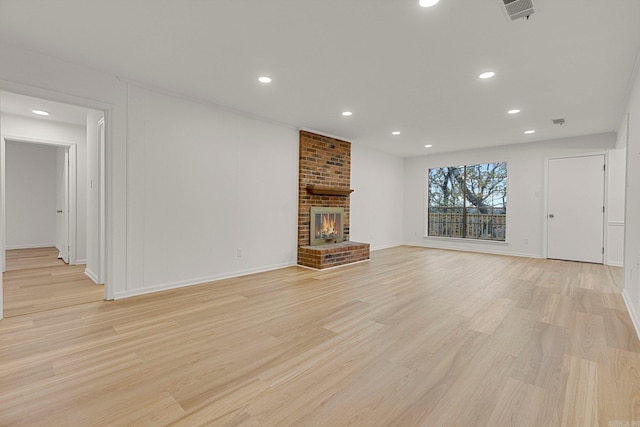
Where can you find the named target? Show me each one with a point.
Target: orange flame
(328, 226)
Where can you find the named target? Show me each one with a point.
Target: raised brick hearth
(332, 255)
(325, 162)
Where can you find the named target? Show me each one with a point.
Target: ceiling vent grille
(517, 8)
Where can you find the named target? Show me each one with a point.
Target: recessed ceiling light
(395, 132)
(40, 112)
(347, 113)
(428, 3)
(428, 146)
(487, 75)
(264, 79)
(529, 132)
(514, 111)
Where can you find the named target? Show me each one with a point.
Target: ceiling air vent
(518, 8)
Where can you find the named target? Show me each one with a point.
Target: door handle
(59, 211)
(551, 215)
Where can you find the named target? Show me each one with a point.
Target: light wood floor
(36, 280)
(416, 337)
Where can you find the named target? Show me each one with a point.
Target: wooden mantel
(326, 190)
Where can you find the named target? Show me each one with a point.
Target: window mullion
(464, 202)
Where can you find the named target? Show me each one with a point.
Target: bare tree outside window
(468, 201)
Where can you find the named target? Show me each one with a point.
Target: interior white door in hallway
(62, 199)
(575, 208)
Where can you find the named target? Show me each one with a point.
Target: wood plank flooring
(36, 280)
(416, 337)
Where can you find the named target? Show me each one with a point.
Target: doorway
(40, 203)
(82, 209)
(575, 208)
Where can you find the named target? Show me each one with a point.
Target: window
(468, 201)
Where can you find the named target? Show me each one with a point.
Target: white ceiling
(20, 105)
(397, 66)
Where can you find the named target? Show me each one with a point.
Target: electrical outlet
(239, 253)
(525, 241)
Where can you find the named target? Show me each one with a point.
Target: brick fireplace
(324, 181)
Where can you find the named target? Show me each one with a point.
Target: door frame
(70, 202)
(102, 220)
(545, 212)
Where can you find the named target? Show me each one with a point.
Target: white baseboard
(382, 247)
(614, 264)
(197, 281)
(635, 317)
(91, 275)
(484, 250)
(80, 262)
(33, 246)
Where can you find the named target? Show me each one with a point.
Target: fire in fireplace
(326, 225)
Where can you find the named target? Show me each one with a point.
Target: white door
(62, 223)
(575, 209)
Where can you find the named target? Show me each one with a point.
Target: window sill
(468, 241)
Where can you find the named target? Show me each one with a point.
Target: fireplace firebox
(326, 225)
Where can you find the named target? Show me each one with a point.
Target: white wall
(44, 130)
(631, 126)
(199, 178)
(206, 185)
(525, 197)
(376, 204)
(30, 195)
(204, 182)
